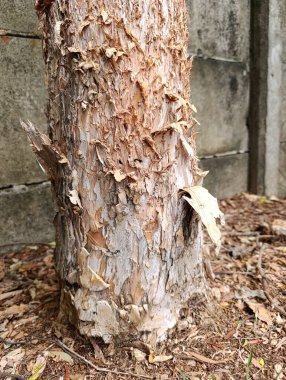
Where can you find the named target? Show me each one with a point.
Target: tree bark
(119, 154)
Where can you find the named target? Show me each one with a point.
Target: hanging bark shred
(120, 148)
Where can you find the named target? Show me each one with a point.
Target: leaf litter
(246, 321)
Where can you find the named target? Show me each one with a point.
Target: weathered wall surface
(282, 157)
(221, 79)
(219, 44)
(25, 198)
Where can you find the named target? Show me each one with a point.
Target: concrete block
(283, 98)
(219, 28)
(22, 96)
(220, 94)
(282, 171)
(26, 215)
(227, 176)
(19, 15)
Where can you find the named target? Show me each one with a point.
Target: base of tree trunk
(98, 316)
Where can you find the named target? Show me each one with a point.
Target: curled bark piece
(49, 157)
(207, 207)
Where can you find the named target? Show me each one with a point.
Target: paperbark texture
(120, 151)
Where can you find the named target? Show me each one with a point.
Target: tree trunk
(119, 154)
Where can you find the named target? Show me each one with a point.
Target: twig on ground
(209, 269)
(234, 272)
(100, 369)
(11, 375)
(246, 233)
(139, 345)
(264, 282)
(10, 342)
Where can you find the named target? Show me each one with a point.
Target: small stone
(278, 368)
(273, 342)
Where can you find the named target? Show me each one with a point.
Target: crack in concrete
(15, 33)
(19, 185)
(226, 154)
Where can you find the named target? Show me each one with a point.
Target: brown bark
(121, 150)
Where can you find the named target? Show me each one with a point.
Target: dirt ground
(243, 336)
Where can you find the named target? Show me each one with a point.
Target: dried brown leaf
(260, 311)
(59, 356)
(17, 310)
(204, 359)
(139, 355)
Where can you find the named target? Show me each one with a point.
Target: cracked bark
(120, 149)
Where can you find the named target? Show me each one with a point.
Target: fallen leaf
(158, 358)
(161, 358)
(139, 355)
(13, 358)
(251, 197)
(264, 200)
(260, 311)
(10, 294)
(17, 310)
(37, 368)
(280, 343)
(207, 207)
(59, 356)
(151, 357)
(278, 368)
(230, 333)
(204, 359)
(258, 363)
(278, 226)
(2, 269)
(245, 293)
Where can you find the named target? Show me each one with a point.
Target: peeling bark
(120, 149)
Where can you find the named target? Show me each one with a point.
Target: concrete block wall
(219, 45)
(221, 78)
(25, 197)
(282, 157)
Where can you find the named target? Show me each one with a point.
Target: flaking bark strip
(117, 72)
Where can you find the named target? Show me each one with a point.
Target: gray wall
(282, 156)
(25, 197)
(219, 44)
(221, 78)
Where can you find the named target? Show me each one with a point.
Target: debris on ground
(242, 337)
